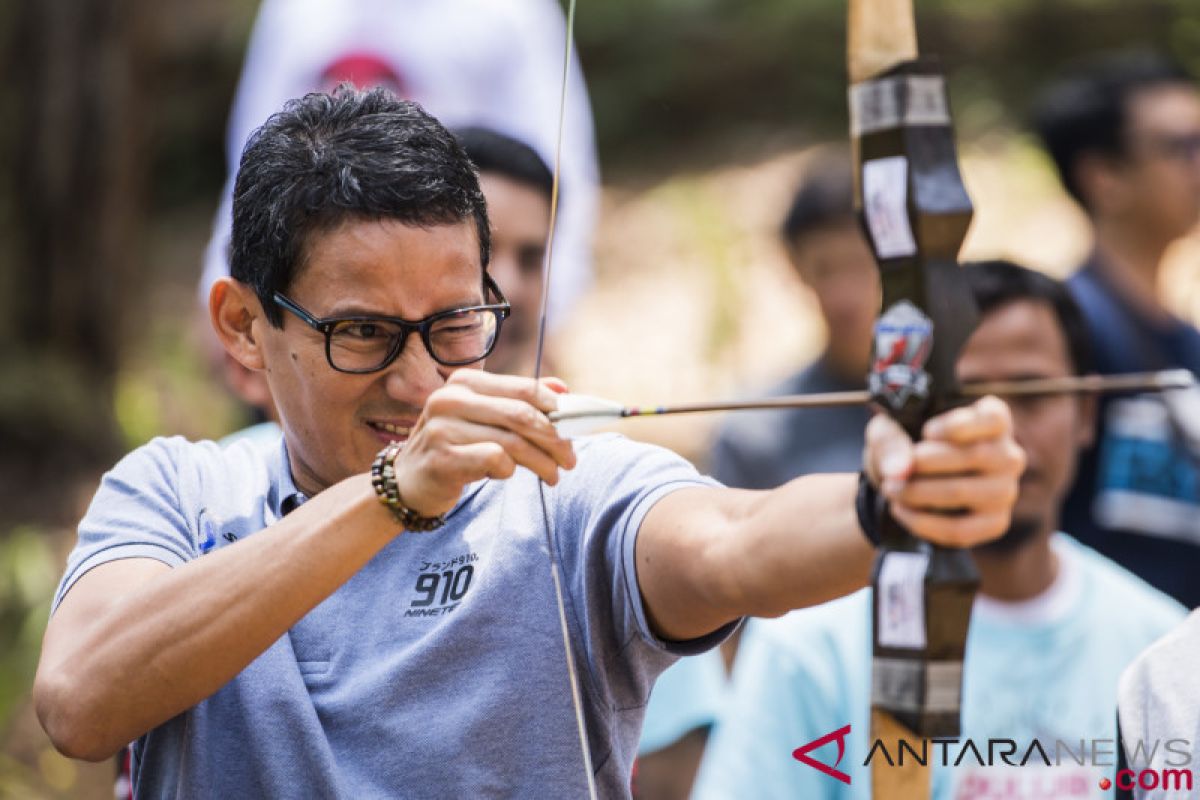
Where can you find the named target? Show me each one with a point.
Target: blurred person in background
(685, 703)
(517, 185)
(467, 62)
(1124, 134)
(765, 449)
(1158, 710)
(826, 246)
(1052, 628)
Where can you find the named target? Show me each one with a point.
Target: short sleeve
(600, 506)
(134, 514)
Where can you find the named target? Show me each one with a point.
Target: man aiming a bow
(260, 624)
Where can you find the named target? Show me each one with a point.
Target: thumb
(888, 458)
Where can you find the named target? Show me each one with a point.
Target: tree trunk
(72, 249)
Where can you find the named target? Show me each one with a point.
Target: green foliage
(672, 79)
(28, 575)
(168, 389)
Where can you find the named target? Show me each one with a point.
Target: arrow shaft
(1075, 384)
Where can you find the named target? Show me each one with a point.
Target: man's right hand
(480, 425)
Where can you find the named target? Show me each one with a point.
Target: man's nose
(414, 375)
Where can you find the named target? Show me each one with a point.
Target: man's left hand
(957, 485)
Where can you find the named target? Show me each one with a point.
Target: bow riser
(915, 212)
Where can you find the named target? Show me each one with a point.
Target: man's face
(836, 263)
(1161, 175)
(520, 216)
(1023, 339)
(335, 422)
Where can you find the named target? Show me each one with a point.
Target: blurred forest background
(111, 162)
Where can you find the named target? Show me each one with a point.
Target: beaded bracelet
(383, 479)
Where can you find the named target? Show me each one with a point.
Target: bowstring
(543, 314)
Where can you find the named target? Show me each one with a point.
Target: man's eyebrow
(367, 311)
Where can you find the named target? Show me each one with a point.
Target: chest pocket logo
(441, 586)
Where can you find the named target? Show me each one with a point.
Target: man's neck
(1131, 260)
(1020, 575)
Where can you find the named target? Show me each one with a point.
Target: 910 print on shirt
(441, 586)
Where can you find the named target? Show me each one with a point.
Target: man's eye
(530, 259)
(459, 327)
(362, 330)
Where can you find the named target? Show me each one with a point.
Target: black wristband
(869, 509)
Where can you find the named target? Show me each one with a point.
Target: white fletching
(581, 414)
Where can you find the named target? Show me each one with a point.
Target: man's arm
(127, 648)
(707, 556)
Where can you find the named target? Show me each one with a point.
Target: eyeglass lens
(1182, 147)
(459, 338)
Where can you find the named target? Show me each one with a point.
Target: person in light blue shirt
(1053, 626)
(686, 703)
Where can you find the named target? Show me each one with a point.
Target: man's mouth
(390, 430)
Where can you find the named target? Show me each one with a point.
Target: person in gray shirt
(765, 449)
(280, 622)
(1158, 716)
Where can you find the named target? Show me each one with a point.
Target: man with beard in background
(1052, 628)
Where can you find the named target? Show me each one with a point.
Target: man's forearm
(148, 654)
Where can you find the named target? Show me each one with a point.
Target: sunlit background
(112, 117)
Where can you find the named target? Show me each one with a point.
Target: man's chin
(1020, 533)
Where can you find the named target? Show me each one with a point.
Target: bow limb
(915, 213)
(880, 34)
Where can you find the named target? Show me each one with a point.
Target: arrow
(578, 413)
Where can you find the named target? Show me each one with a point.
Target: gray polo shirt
(437, 670)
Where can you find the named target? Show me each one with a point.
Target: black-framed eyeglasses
(1178, 147)
(454, 338)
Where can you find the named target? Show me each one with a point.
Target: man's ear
(234, 308)
(1101, 183)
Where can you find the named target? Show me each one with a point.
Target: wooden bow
(915, 212)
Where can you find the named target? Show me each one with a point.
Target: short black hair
(328, 158)
(997, 282)
(1087, 111)
(493, 151)
(824, 199)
